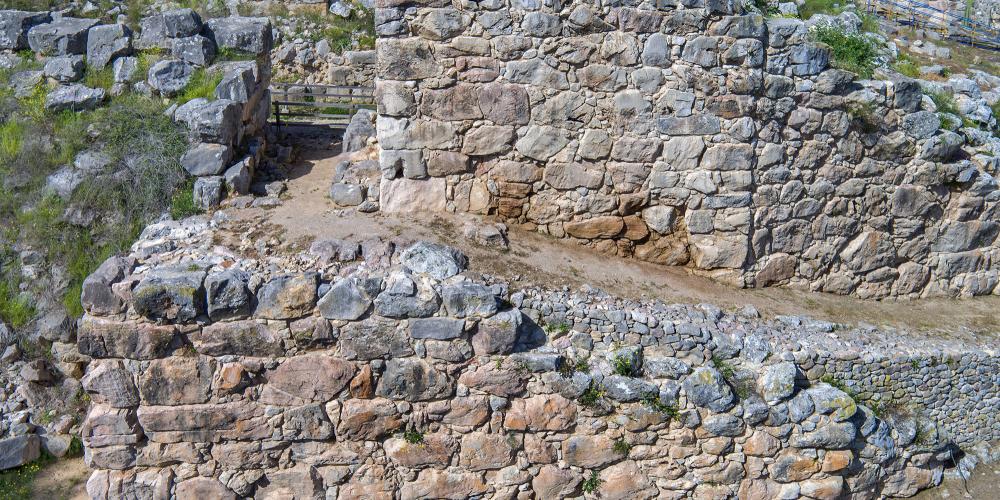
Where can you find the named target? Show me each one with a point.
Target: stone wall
(367, 369)
(687, 135)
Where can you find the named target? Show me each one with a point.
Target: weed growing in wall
(592, 484)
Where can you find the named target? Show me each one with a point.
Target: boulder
(347, 194)
(65, 69)
(125, 69)
(287, 297)
(177, 381)
(170, 76)
(171, 294)
(830, 400)
(295, 382)
(238, 177)
(74, 97)
(346, 300)
(361, 127)
(198, 488)
(413, 380)
(100, 338)
(706, 388)
(228, 296)
(109, 383)
(777, 382)
(14, 26)
(209, 192)
(242, 338)
(237, 84)
(498, 334)
(436, 328)
(216, 121)
(63, 36)
(107, 42)
(246, 34)
(469, 299)
(19, 450)
(590, 452)
(437, 261)
(196, 50)
(627, 389)
(206, 159)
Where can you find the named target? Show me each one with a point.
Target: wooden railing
(923, 16)
(327, 105)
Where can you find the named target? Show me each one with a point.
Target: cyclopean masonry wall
(687, 135)
(371, 370)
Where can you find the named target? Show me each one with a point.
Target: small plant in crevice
(622, 365)
(654, 403)
(621, 447)
(592, 483)
(591, 397)
(413, 437)
(571, 366)
(726, 369)
(863, 115)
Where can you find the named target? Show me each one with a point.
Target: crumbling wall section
(686, 134)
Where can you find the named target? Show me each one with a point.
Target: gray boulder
(24, 83)
(14, 26)
(346, 300)
(706, 388)
(438, 261)
(170, 76)
(830, 400)
(196, 50)
(436, 328)
(96, 296)
(246, 34)
(942, 147)
(217, 121)
(65, 69)
(63, 182)
(289, 296)
(403, 299)
(74, 97)
(19, 450)
(664, 367)
(469, 299)
(830, 436)
(171, 295)
(63, 36)
(206, 159)
(347, 195)
(498, 334)
(723, 425)
(227, 295)
(361, 127)
(236, 85)
(921, 125)
(413, 380)
(238, 177)
(777, 382)
(209, 192)
(158, 30)
(627, 389)
(124, 69)
(106, 42)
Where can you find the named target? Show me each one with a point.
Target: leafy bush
(592, 483)
(906, 66)
(852, 52)
(622, 365)
(621, 447)
(413, 437)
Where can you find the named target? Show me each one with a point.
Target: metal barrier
(923, 16)
(328, 105)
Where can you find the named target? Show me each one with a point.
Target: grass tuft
(202, 85)
(853, 52)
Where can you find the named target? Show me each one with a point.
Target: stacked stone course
(686, 133)
(370, 369)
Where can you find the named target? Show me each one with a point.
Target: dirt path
(307, 214)
(65, 479)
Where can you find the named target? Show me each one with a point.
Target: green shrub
(906, 66)
(413, 437)
(622, 365)
(652, 400)
(852, 52)
(811, 7)
(182, 203)
(15, 308)
(591, 397)
(102, 78)
(621, 447)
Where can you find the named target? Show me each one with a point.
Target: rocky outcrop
(697, 135)
(363, 367)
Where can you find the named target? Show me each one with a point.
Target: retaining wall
(688, 134)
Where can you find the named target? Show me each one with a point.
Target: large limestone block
(413, 195)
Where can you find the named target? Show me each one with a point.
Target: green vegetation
(105, 212)
(557, 329)
(339, 32)
(99, 77)
(906, 66)
(621, 447)
(726, 369)
(945, 102)
(653, 402)
(413, 437)
(592, 483)
(622, 365)
(182, 202)
(570, 366)
(202, 85)
(864, 117)
(591, 397)
(811, 7)
(15, 484)
(851, 52)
